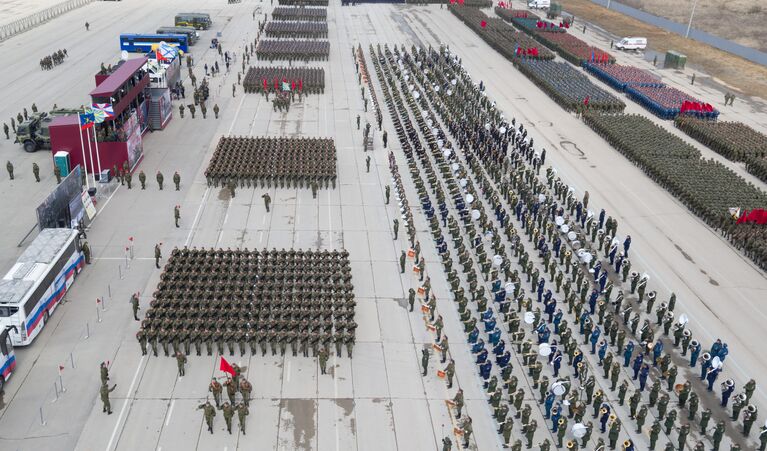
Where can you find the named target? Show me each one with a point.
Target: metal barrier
(27, 23)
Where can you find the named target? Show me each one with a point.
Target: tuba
(694, 343)
(598, 392)
(570, 444)
(652, 295)
(687, 333)
(662, 306)
(634, 274)
(706, 357)
(561, 421)
(612, 419)
(751, 409)
(626, 444)
(603, 410)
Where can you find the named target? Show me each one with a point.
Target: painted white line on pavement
(197, 217)
(236, 114)
(121, 258)
(125, 405)
(106, 202)
(288, 371)
(170, 412)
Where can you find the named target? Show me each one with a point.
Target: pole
(72, 359)
(82, 146)
(98, 158)
(692, 13)
(56, 390)
(98, 314)
(90, 151)
(42, 421)
(61, 383)
(87, 330)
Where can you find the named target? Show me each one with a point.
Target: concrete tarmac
(378, 399)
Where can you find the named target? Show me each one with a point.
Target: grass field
(741, 21)
(737, 73)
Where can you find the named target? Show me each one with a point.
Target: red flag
(483, 24)
(266, 85)
(159, 56)
(742, 218)
(300, 84)
(226, 367)
(460, 2)
(61, 368)
(586, 101)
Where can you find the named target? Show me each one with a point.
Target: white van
(632, 44)
(539, 4)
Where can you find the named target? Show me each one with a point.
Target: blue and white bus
(35, 285)
(7, 357)
(145, 43)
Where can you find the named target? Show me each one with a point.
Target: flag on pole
(226, 367)
(87, 120)
(166, 52)
(102, 112)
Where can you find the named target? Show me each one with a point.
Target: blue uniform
(627, 353)
(637, 365)
(484, 370)
(694, 353)
(643, 373)
(482, 356)
(656, 352)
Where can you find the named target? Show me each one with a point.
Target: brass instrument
(687, 333)
(662, 306)
(652, 295)
(626, 444)
(611, 420)
(570, 444)
(561, 421)
(706, 356)
(598, 392)
(601, 303)
(634, 274)
(603, 410)
(694, 343)
(580, 365)
(751, 408)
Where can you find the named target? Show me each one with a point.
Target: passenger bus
(145, 43)
(200, 21)
(35, 285)
(190, 32)
(7, 357)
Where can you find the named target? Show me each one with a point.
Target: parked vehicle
(632, 44)
(539, 4)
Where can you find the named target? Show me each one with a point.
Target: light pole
(692, 13)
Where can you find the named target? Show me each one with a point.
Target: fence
(27, 23)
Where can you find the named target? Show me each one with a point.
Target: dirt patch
(740, 21)
(737, 73)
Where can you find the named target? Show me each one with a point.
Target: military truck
(33, 133)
